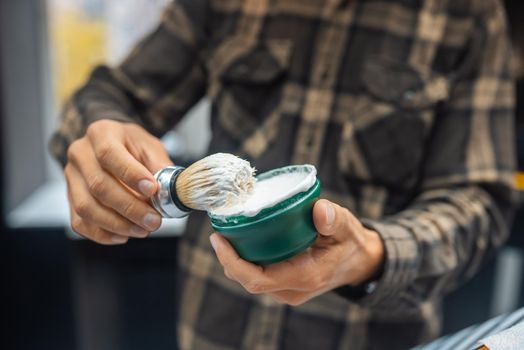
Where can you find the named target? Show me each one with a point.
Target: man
(406, 109)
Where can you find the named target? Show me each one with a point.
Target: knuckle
(83, 208)
(229, 264)
(116, 226)
(76, 225)
(295, 301)
(316, 282)
(97, 186)
(105, 241)
(67, 170)
(156, 143)
(94, 128)
(100, 237)
(254, 287)
(126, 174)
(227, 274)
(104, 153)
(128, 209)
(72, 150)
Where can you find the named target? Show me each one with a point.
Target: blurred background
(54, 284)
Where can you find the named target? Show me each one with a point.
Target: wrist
(365, 283)
(372, 261)
(376, 254)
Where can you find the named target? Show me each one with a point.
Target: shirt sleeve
(464, 207)
(159, 81)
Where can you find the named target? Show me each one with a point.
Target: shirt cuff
(401, 264)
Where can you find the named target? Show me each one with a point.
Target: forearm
(439, 242)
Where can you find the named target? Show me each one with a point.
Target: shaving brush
(216, 181)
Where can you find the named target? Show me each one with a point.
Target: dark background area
(43, 274)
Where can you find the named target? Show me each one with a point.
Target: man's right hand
(109, 177)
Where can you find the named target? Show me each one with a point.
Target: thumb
(153, 159)
(331, 220)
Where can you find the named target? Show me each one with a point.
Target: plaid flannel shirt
(404, 106)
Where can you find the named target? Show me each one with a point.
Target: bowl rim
(267, 213)
(297, 168)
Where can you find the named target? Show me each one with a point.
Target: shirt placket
(320, 94)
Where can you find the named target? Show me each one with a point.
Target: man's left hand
(345, 252)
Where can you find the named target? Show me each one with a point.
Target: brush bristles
(219, 180)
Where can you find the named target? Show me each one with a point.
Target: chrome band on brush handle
(163, 201)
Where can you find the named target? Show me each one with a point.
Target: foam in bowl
(269, 191)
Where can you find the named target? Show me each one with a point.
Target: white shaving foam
(271, 191)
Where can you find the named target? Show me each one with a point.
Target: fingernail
(138, 231)
(146, 187)
(152, 221)
(330, 214)
(118, 239)
(214, 242)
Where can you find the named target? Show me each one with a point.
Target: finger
(100, 235)
(114, 157)
(299, 273)
(294, 298)
(113, 194)
(91, 232)
(228, 275)
(289, 297)
(249, 275)
(89, 209)
(152, 154)
(75, 220)
(332, 220)
(303, 272)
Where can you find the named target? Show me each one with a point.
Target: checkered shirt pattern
(404, 106)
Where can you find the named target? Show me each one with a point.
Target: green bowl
(276, 233)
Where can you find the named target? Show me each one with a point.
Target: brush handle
(165, 201)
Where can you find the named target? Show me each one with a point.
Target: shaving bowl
(276, 233)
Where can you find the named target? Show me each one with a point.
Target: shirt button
(370, 287)
(409, 95)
